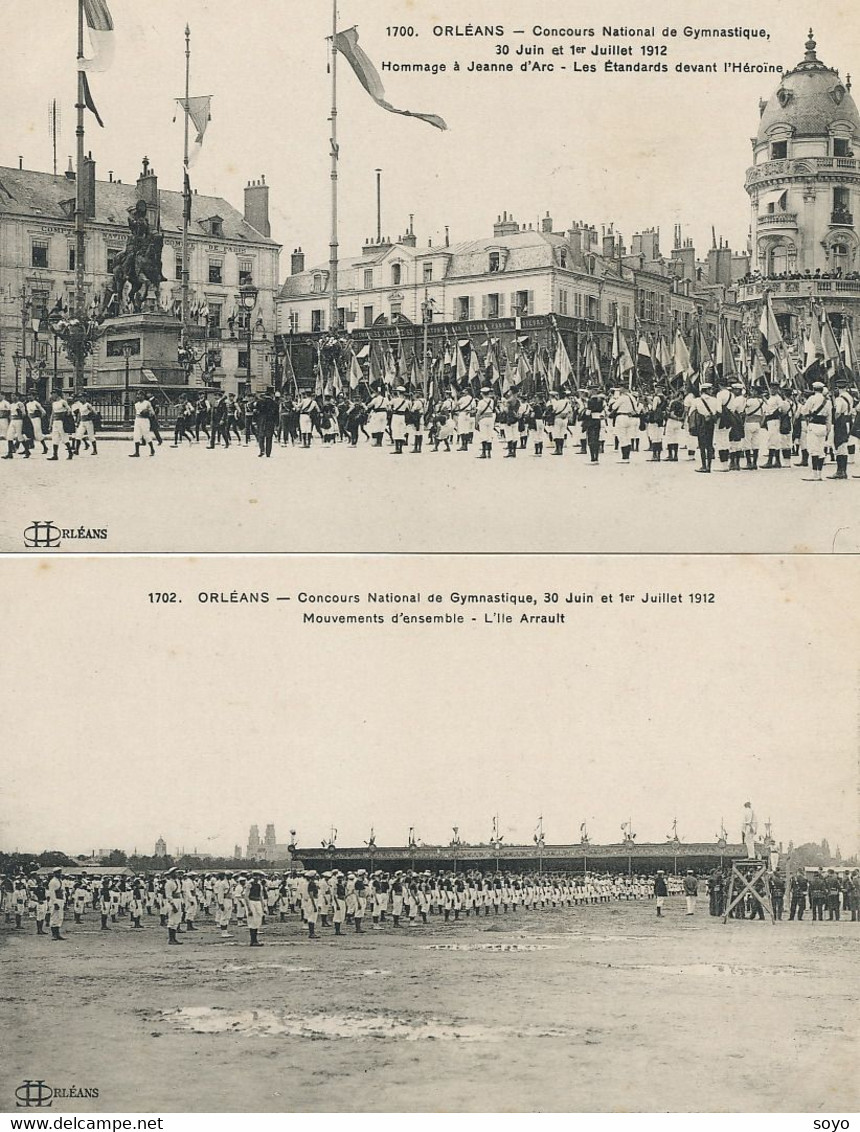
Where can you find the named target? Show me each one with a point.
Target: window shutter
(485, 306)
(531, 309)
(513, 304)
(501, 305)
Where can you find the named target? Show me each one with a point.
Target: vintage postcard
(414, 647)
(310, 266)
(431, 834)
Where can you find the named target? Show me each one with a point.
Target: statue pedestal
(151, 339)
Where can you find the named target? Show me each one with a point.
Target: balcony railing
(798, 165)
(841, 217)
(799, 288)
(778, 220)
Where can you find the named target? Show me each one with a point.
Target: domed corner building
(804, 190)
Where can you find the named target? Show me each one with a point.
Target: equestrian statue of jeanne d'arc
(139, 265)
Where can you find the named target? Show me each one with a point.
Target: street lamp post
(126, 353)
(248, 300)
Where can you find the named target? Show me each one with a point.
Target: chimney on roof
(147, 185)
(21, 161)
(257, 206)
(89, 187)
(546, 223)
(506, 226)
(110, 176)
(447, 241)
(609, 246)
(574, 238)
(409, 239)
(297, 262)
(70, 172)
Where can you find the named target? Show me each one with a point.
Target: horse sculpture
(139, 265)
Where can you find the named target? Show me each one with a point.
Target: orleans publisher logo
(34, 1094)
(37, 1094)
(45, 535)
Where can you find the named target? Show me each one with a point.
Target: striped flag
(561, 364)
(770, 337)
(354, 372)
(100, 25)
(346, 42)
(88, 102)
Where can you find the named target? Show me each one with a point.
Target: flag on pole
(759, 373)
(832, 356)
(461, 365)
(592, 361)
(849, 356)
(561, 364)
(354, 372)
(643, 352)
(813, 347)
(290, 372)
(681, 356)
(100, 25)
(621, 355)
(726, 366)
(346, 42)
(770, 337)
(389, 372)
(88, 101)
(198, 112)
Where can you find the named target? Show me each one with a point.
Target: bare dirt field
(601, 1008)
(365, 499)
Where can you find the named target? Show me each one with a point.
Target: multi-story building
(228, 249)
(161, 847)
(803, 187)
(535, 282)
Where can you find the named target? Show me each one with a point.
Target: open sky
(639, 150)
(190, 721)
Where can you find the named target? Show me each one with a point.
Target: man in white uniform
(485, 422)
(817, 410)
(36, 413)
(625, 412)
(56, 903)
(143, 433)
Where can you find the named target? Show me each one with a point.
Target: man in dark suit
(265, 420)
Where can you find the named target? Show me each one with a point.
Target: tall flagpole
(333, 243)
(186, 191)
(79, 201)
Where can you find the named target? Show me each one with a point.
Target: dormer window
(318, 282)
(841, 147)
(396, 274)
(495, 261)
(562, 257)
(214, 226)
(778, 150)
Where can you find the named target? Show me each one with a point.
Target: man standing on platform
(750, 828)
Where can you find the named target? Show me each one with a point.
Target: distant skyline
(636, 151)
